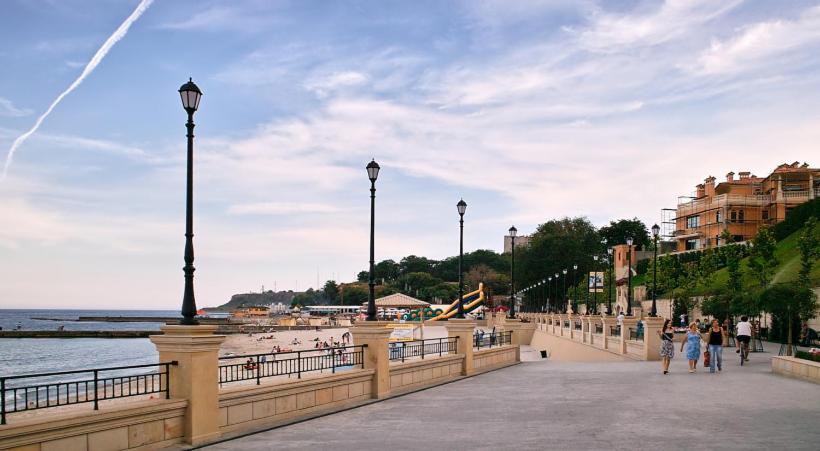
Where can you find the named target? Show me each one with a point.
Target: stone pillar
(591, 321)
(559, 318)
(811, 185)
(606, 321)
(584, 328)
(651, 339)
(376, 336)
(630, 322)
(195, 377)
(516, 338)
(464, 330)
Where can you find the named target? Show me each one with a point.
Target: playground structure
(471, 301)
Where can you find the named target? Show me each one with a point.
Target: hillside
(265, 299)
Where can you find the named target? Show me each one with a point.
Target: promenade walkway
(554, 405)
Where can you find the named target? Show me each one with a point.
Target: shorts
(745, 339)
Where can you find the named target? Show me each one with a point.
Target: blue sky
(529, 110)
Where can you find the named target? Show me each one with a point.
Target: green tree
(386, 270)
(413, 263)
(789, 304)
(331, 291)
(762, 261)
(809, 247)
(617, 232)
(353, 293)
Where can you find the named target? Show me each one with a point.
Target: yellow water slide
(471, 301)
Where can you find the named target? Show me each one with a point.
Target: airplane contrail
(95, 60)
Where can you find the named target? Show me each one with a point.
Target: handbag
(706, 356)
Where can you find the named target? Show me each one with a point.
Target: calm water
(39, 355)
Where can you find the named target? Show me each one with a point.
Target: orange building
(742, 205)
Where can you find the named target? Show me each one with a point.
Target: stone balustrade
(602, 332)
(200, 411)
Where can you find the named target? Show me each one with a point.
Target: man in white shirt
(744, 334)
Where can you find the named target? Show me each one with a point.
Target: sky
(528, 110)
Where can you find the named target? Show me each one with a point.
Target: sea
(44, 355)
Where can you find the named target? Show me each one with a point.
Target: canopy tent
(399, 300)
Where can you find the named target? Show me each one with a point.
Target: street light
(190, 95)
(629, 277)
(564, 290)
(549, 294)
(656, 231)
(574, 290)
(513, 232)
(611, 277)
(595, 284)
(462, 207)
(372, 174)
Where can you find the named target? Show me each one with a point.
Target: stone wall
(246, 408)
(427, 372)
(796, 368)
(492, 358)
(140, 425)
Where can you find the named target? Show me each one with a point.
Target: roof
(400, 300)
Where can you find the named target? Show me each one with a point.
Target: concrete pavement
(553, 405)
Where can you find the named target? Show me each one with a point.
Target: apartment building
(520, 241)
(742, 204)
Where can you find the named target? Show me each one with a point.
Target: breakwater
(77, 333)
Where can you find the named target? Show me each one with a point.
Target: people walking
(692, 344)
(715, 341)
(667, 347)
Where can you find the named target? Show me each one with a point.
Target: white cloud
(323, 85)
(8, 109)
(281, 208)
(610, 32)
(759, 41)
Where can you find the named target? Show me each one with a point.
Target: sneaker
(737, 351)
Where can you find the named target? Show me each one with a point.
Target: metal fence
(614, 331)
(259, 366)
(402, 350)
(578, 325)
(488, 340)
(635, 334)
(599, 328)
(61, 388)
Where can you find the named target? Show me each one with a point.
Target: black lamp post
(611, 280)
(595, 284)
(549, 294)
(556, 306)
(629, 277)
(564, 290)
(656, 231)
(372, 174)
(462, 208)
(544, 295)
(191, 95)
(574, 290)
(513, 232)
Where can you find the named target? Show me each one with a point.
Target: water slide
(471, 301)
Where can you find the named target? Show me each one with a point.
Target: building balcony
(723, 200)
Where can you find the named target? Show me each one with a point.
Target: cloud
(759, 41)
(323, 85)
(8, 109)
(613, 32)
(281, 208)
(216, 18)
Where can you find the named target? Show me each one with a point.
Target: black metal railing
(615, 331)
(93, 385)
(578, 325)
(566, 324)
(259, 366)
(488, 340)
(402, 350)
(599, 328)
(635, 334)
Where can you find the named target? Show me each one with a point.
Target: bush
(807, 356)
(796, 218)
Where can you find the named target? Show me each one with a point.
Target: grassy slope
(788, 257)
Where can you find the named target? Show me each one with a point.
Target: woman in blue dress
(692, 344)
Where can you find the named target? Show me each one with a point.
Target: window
(740, 215)
(732, 216)
(692, 221)
(717, 217)
(691, 244)
(765, 214)
(737, 238)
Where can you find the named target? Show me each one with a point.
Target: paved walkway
(552, 405)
